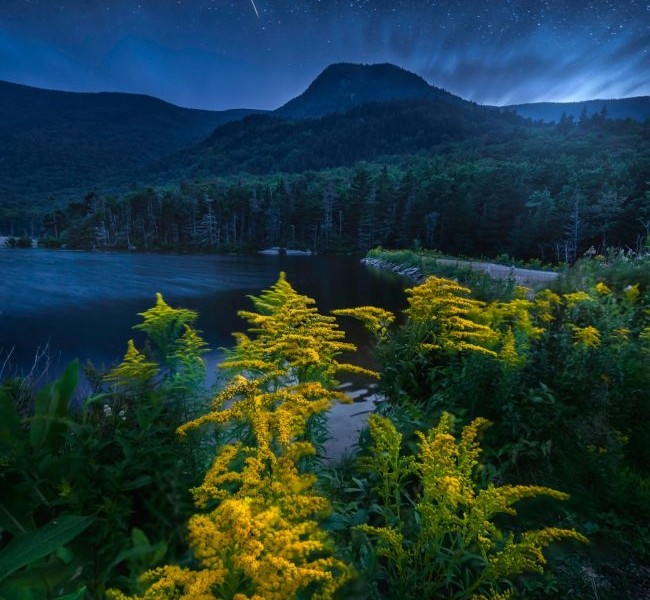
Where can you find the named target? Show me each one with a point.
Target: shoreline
(521, 276)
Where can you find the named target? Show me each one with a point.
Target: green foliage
(258, 531)
(39, 533)
(29, 547)
(62, 144)
(561, 374)
(113, 462)
(567, 391)
(434, 532)
(476, 184)
(52, 404)
(165, 327)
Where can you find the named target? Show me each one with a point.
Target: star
(211, 54)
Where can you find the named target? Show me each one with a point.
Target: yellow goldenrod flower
(644, 336)
(632, 293)
(574, 299)
(546, 303)
(586, 337)
(508, 353)
(376, 320)
(261, 539)
(454, 518)
(621, 335)
(602, 289)
(133, 368)
(452, 320)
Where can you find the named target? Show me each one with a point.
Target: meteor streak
(255, 8)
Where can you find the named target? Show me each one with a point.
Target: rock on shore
(414, 273)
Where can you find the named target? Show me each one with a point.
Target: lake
(84, 304)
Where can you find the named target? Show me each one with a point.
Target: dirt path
(521, 276)
(526, 277)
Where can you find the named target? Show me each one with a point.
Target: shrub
(435, 530)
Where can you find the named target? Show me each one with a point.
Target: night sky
(221, 54)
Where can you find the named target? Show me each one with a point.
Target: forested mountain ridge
(546, 192)
(58, 145)
(637, 108)
(52, 141)
(265, 144)
(438, 172)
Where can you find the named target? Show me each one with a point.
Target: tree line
(551, 194)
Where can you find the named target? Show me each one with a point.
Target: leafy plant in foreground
(113, 464)
(36, 558)
(290, 342)
(258, 535)
(291, 336)
(435, 530)
(568, 395)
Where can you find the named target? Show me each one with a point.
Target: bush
(112, 462)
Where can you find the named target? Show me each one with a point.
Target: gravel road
(521, 276)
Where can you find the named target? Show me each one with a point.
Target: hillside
(637, 108)
(53, 141)
(264, 144)
(487, 182)
(491, 187)
(343, 86)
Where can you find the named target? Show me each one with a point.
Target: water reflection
(85, 304)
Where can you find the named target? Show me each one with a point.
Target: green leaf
(139, 537)
(15, 513)
(142, 549)
(137, 552)
(42, 578)
(66, 386)
(52, 404)
(29, 547)
(96, 399)
(336, 522)
(160, 549)
(64, 554)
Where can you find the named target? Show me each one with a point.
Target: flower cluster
(444, 542)
(258, 535)
(452, 318)
(291, 338)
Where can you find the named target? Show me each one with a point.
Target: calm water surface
(84, 304)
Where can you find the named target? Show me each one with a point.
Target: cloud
(214, 54)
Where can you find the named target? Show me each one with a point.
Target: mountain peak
(342, 86)
(368, 72)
